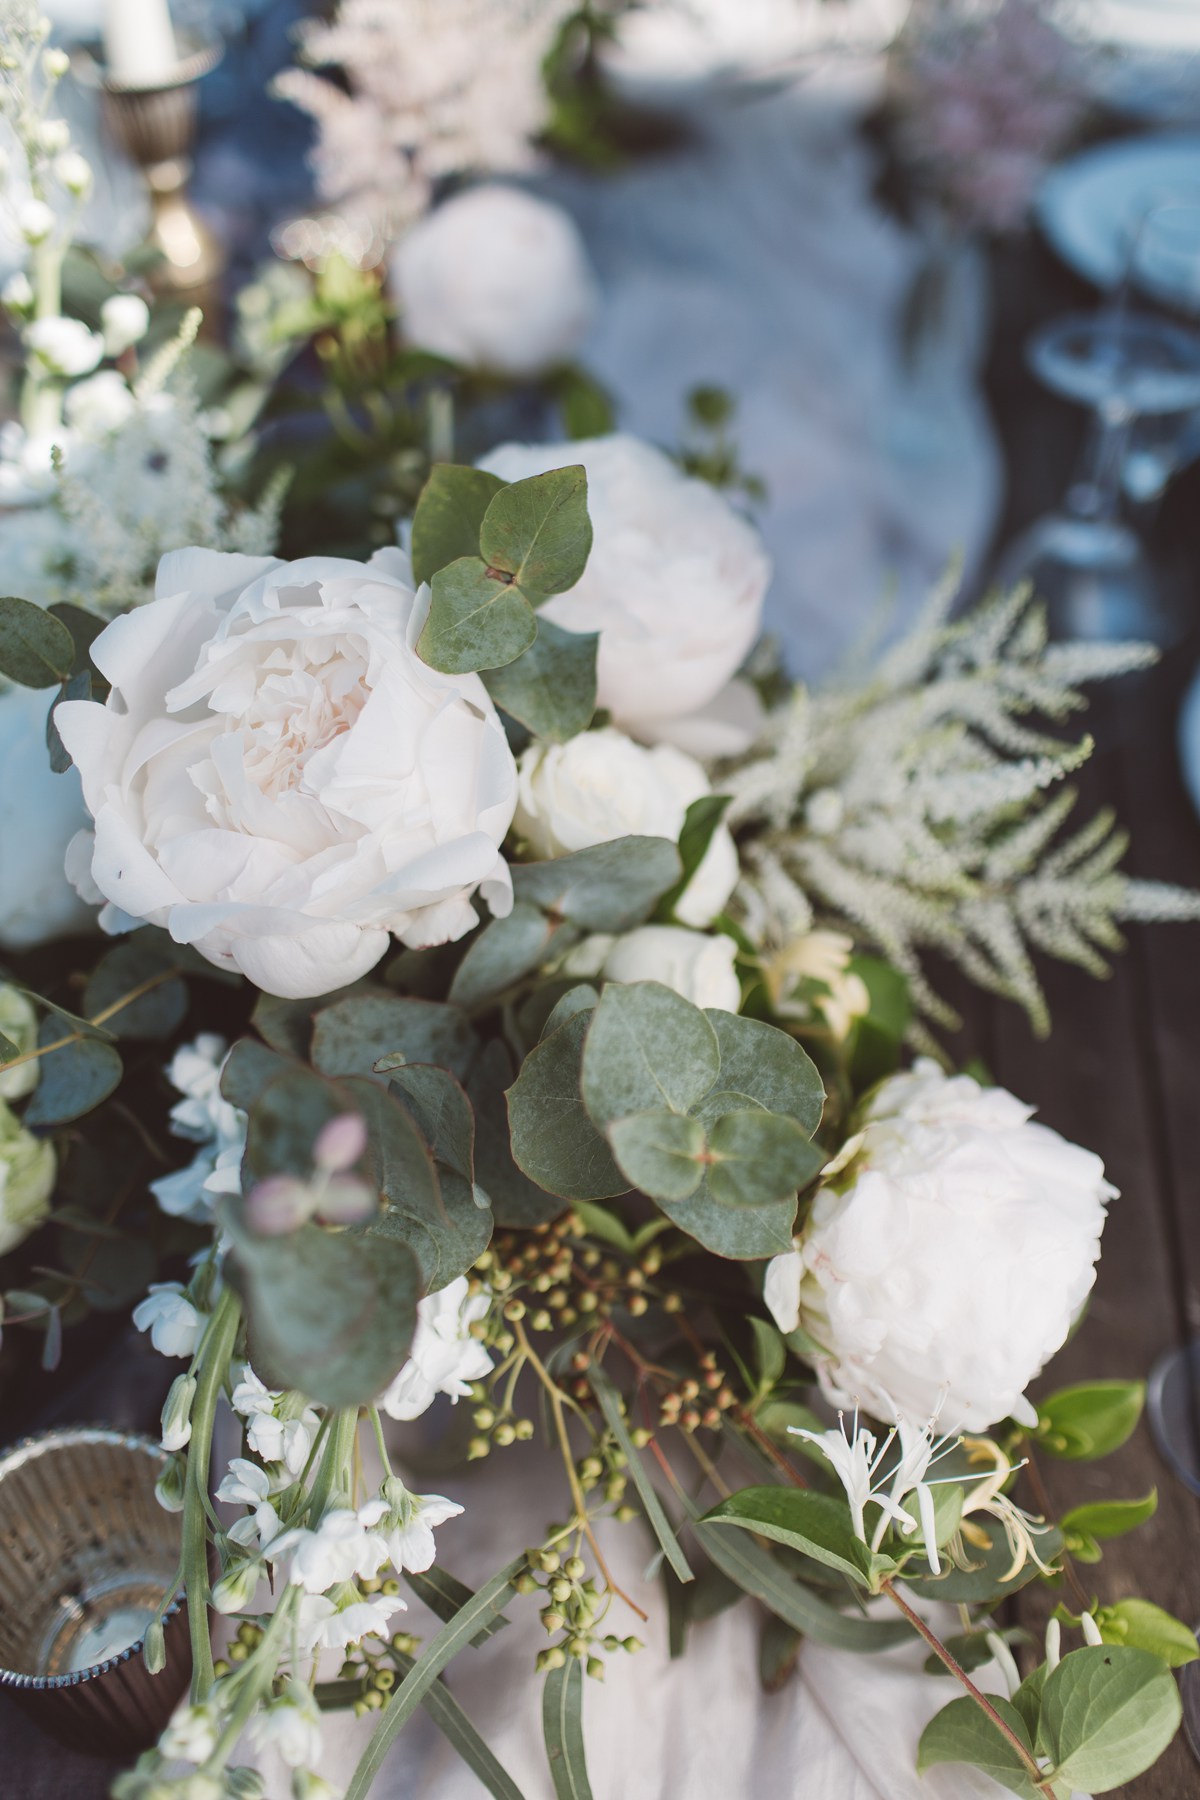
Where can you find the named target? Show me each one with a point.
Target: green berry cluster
(240, 1648)
(698, 1399)
(369, 1667)
(573, 1611)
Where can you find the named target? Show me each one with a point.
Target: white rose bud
(124, 320)
(318, 789)
(75, 173)
(36, 221)
(17, 293)
(18, 1023)
(495, 279)
(674, 584)
(698, 966)
(27, 1170)
(601, 785)
(914, 1271)
(64, 347)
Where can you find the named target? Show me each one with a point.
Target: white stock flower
(342, 1546)
(291, 1725)
(693, 963)
(445, 1358)
(18, 1023)
(65, 347)
(124, 320)
(40, 812)
(279, 1427)
(674, 584)
(191, 1734)
(945, 1265)
(99, 405)
(406, 1524)
(27, 1170)
(601, 785)
(278, 779)
(496, 279)
(246, 1484)
(173, 1322)
(208, 1119)
(323, 1625)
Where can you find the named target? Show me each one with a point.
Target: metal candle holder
(86, 1554)
(156, 124)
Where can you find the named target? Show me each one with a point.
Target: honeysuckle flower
(822, 957)
(124, 320)
(18, 1023)
(406, 1523)
(278, 779)
(280, 1427)
(914, 1271)
(855, 1457)
(497, 279)
(208, 1119)
(984, 1494)
(324, 1624)
(191, 1734)
(246, 1484)
(674, 585)
(342, 1546)
(291, 1725)
(445, 1357)
(174, 1324)
(602, 785)
(697, 964)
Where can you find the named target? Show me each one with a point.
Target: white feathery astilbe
(920, 807)
(436, 88)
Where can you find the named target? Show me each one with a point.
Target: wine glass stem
(1096, 492)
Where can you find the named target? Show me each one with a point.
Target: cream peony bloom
(674, 584)
(27, 1170)
(946, 1265)
(694, 964)
(496, 279)
(601, 785)
(278, 779)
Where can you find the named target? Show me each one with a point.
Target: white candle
(139, 43)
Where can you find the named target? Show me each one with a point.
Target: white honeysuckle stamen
(1053, 1645)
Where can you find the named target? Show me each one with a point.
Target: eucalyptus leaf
(36, 650)
(659, 1152)
(538, 532)
(646, 1048)
(73, 1080)
(516, 1200)
(760, 1157)
(611, 887)
(551, 689)
(84, 627)
(742, 1233)
(448, 516)
(248, 1069)
(562, 1724)
(504, 952)
(580, 999)
(553, 1138)
(351, 1036)
(328, 1313)
(442, 1113)
(477, 620)
(963, 1733)
(143, 961)
(1108, 1713)
(759, 1060)
(283, 1122)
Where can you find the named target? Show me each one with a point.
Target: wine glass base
(1093, 578)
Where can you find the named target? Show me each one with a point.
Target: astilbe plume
(986, 96)
(435, 88)
(913, 807)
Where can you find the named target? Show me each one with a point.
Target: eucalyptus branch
(101, 1018)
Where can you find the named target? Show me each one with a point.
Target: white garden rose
(27, 1169)
(698, 966)
(278, 779)
(601, 785)
(40, 812)
(944, 1265)
(495, 279)
(674, 584)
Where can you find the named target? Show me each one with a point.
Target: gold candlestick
(156, 124)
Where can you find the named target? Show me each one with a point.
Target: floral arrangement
(512, 999)
(984, 95)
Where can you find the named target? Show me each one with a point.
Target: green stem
(334, 1463)
(41, 395)
(377, 1427)
(945, 1657)
(262, 1674)
(215, 1352)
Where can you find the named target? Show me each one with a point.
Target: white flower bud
(154, 1647)
(55, 63)
(1091, 1631)
(1053, 1645)
(177, 1413)
(340, 1144)
(694, 964)
(235, 1590)
(18, 1023)
(36, 221)
(64, 347)
(171, 1484)
(54, 135)
(17, 292)
(124, 320)
(27, 1170)
(824, 811)
(191, 1735)
(74, 172)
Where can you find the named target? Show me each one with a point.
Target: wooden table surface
(1119, 1074)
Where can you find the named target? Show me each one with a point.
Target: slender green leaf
(817, 1524)
(562, 1723)
(453, 1637)
(459, 1732)
(699, 827)
(445, 1595)
(610, 1405)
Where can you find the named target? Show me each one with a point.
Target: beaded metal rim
(28, 1450)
